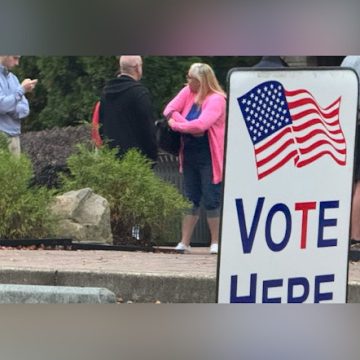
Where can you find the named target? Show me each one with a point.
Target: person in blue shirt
(13, 104)
(271, 62)
(353, 61)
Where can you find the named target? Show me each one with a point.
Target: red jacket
(95, 136)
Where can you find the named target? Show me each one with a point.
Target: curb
(353, 292)
(44, 294)
(136, 287)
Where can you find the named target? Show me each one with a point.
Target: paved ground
(354, 271)
(132, 276)
(198, 263)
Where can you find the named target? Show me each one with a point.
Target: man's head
(9, 61)
(131, 66)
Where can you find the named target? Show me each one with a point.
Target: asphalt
(132, 276)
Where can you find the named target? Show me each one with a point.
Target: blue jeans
(198, 175)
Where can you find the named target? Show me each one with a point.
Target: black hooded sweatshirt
(270, 62)
(126, 117)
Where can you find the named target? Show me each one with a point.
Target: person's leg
(211, 200)
(14, 145)
(187, 229)
(355, 213)
(355, 205)
(192, 185)
(214, 225)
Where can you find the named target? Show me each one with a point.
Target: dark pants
(198, 175)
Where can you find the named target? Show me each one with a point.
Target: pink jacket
(212, 118)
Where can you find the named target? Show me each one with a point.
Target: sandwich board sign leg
(287, 185)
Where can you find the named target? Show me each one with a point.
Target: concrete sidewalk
(132, 276)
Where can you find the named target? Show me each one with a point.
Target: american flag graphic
(290, 125)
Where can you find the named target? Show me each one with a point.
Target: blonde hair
(208, 81)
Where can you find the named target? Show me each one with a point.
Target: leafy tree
(69, 86)
(67, 89)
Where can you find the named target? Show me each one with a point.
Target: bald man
(126, 113)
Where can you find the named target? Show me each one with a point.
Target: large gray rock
(83, 216)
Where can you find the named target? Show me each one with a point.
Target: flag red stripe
(275, 139)
(275, 153)
(319, 143)
(313, 111)
(302, 163)
(301, 102)
(316, 132)
(302, 91)
(278, 165)
(315, 122)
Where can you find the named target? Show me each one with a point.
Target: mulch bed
(49, 150)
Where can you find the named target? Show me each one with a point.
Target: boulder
(83, 216)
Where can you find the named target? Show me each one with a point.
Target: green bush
(24, 210)
(135, 194)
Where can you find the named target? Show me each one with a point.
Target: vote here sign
(287, 187)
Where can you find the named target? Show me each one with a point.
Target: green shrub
(135, 194)
(24, 210)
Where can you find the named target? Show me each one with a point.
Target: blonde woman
(198, 111)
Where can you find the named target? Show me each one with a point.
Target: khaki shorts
(14, 145)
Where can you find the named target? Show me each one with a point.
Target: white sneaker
(181, 247)
(214, 248)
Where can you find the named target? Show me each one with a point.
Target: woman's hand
(172, 122)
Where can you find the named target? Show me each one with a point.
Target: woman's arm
(213, 109)
(177, 103)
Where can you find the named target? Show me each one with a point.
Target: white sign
(288, 185)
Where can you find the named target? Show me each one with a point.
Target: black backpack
(167, 139)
